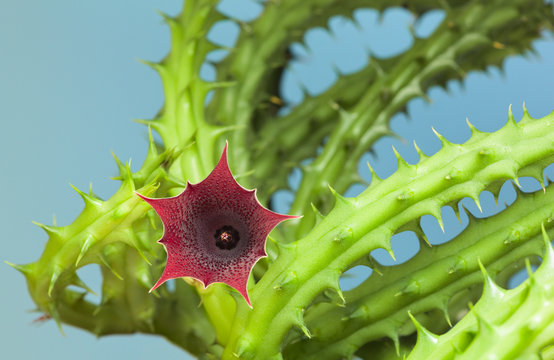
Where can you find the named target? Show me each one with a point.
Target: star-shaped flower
(214, 231)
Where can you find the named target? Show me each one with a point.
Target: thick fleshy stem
(256, 63)
(116, 234)
(504, 324)
(347, 233)
(433, 61)
(379, 306)
(182, 124)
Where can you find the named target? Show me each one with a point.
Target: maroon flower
(214, 231)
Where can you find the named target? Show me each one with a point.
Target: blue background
(70, 85)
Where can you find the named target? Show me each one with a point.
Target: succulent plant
(214, 230)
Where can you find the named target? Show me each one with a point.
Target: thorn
(515, 179)
(436, 213)
(56, 272)
(401, 162)
(128, 177)
(424, 336)
(317, 213)
(77, 281)
(360, 312)
(374, 265)
(375, 179)
(301, 324)
(84, 248)
(168, 19)
(56, 316)
(391, 253)
(285, 280)
(339, 199)
(343, 235)
(154, 124)
(475, 198)
(478, 205)
(88, 200)
(457, 212)
(471, 127)
(105, 262)
(513, 237)
(441, 223)
(120, 167)
(420, 153)
(152, 217)
(142, 255)
(51, 231)
(242, 348)
(490, 288)
(159, 68)
(442, 139)
(528, 268)
(335, 287)
(405, 196)
(152, 149)
(425, 239)
(411, 288)
(24, 269)
(444, 309)
(526, 115)
(460, 265)
(394, 337)
(511, 120)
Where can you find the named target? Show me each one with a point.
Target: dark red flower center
(226, 238)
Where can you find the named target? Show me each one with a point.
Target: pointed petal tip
(247, 299)
(147, 199)
(244, 294)
(158, 284)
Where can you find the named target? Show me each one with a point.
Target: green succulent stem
(111, 234)
(256, 64)
(379, 307)
(347, 234)
(297, 286)
(181, 124)
(285, 139)
(504, 324)
(431, 61)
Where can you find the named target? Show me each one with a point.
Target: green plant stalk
(111, 234)
(118, 233)
(379, 306)
(256, 63)
(504, 324)
(435, 319)
(434, 60)
(181, 124)
(315, 112)
(347, 233)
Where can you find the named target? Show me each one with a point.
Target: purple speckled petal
(214, 231)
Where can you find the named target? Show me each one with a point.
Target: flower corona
(215, 230)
